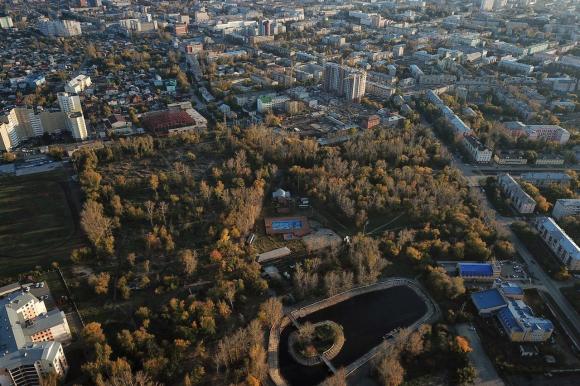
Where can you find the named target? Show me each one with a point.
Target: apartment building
(344, 81)
(521, 201)
(478, 151)
(545, 178)
(268, 103)
(550, 133)
(70, 104)
(379, 90)
(77, 84)
(559, 242)
(515, 67)
(31, 340)
(59, 28)
(566, 207)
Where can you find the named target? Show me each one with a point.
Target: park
(381, 309)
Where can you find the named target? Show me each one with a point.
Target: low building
(520, 324)
(289, 227)
(515, 317)
(559, 242)
(549, 160)
(273, 254)
(511, 291)
(371, 121)
(566, 207)
(521, 200)
(545, 179)
(478, 271)
(168, 122)
(268, 103)
(489, 301)
(510, 158)
(478, 151)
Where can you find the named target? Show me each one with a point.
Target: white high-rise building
(344, 81)
(77, 126)
(487, 5)
(69, 102)
(62, 28)
(355, 86)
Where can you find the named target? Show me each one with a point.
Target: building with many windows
(515, 317)
(521, 200)
(566, 207)
(559, 242)
(59, 28)
(478, 151)
(344, 81)
(31, 339)
(546, 178)
(77, 84)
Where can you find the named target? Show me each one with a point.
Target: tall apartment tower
(355, 86)
(344, 81)
(70, 104)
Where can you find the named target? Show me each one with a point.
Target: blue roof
(475, 269)
(512, 290)
(488, 299)
(508, 320)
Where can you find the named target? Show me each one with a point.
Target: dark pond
(365, 320)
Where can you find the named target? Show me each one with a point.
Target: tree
(100, 282)
(188, 260)
(390, 371)
(463, 344)
(9, 157)
(443, 284)
(271, 311)
(93, 333)
(465, 375)
(97, 226)
(366, 258)
(306, 332)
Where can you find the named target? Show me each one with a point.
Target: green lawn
(36, 224)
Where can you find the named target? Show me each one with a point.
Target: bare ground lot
(37, 221)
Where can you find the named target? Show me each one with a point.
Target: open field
(37, 224)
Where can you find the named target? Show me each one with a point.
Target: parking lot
(514, 271)
(42, 292)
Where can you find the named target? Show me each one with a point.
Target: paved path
(486, 374)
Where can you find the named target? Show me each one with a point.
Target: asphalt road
(486, 374)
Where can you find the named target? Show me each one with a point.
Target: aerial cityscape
(289, 193)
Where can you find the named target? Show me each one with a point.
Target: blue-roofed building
(478, 271)
(488, 301)
(511, 291)
(516, 318)
(520, 324)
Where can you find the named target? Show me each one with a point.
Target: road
(503, 226)
(486, 373)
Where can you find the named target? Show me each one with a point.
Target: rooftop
(488, 299)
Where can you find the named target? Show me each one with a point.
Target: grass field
(36, 223)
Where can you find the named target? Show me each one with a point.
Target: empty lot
(36, 222)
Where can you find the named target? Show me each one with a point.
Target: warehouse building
(478, 271)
